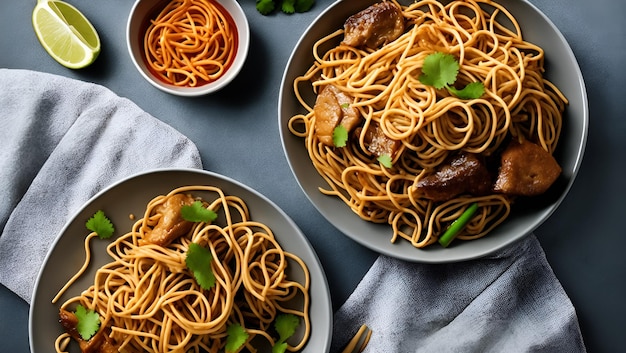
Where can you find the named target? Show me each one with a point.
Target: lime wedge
(65, 33)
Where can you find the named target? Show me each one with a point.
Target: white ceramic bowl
(138, 21)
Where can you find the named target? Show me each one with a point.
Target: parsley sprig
(198, 260)
(196, 212)
(100, 224)
(440, 70)
(340, 136)
(237, 336)
(265, 7)
(285, 325)
(88, 322)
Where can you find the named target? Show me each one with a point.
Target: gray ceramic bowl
(138, 20)
(130, 196)
(562, 69)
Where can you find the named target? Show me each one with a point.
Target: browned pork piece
(99, 343)
(375, 26)
(526, 169)
(377, 142)
(171, 225)
(462, 173)
(332, 108)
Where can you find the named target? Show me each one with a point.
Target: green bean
(458, 225)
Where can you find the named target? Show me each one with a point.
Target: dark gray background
(584, 240)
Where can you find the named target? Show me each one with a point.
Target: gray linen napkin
(509, 301)
(62, 141)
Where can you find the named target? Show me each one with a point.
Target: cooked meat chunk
(332, 108)
(526, 169)
(464, 173)
(171, 225)
(375, 26)
(99, 343)
(378, 143)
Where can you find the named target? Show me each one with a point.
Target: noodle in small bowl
(188, 47)
(378, 204)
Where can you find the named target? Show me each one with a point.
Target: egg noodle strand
(431, 124)
(151, 302)
(190, 42)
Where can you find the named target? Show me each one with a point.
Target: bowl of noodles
(403, 123)
(148, 284)
(188, 47)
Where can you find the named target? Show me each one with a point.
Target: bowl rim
(243, 31)
(488, 245)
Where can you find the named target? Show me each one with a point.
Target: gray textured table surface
(584, 240)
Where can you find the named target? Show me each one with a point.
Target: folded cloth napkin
(64, 140)
(509, 301)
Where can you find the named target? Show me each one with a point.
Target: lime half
(65, 33)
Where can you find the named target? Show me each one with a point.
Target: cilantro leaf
(100, 224)
(197, 213)
(304, 5)
(285, 325)
(385, 160)
(439, 70)
(279, 347)
(473, 90)
(340, 136)
(88, 322)
(288, 6)
(237, 336)
(198, 260)
(265, 6)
